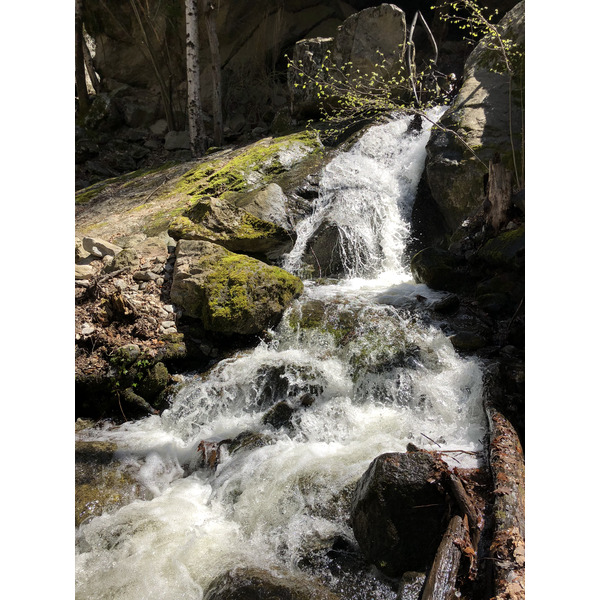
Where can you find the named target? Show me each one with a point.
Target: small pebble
(168, 324)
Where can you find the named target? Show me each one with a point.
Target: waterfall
(360, 375)
(368, 193)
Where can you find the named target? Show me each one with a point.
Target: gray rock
(480, 114)
(145, 276)
(99, 247)
(159, 128)
(84, 271)
(177, 140)
(357, 42)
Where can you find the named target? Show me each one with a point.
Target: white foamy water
(363, 376)
(368, 193)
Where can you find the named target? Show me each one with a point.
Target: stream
(352, 371)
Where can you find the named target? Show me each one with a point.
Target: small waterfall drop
(360, 376)
(367, 193)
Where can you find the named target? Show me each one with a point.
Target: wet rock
(411, 585)
(439, 269)
(258, 584)
(446, 306)
(248, 440)
(398, 512)
(279, 415)
(468, 341)
(323, 255)
(100, 482)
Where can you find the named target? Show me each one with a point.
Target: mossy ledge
(258, 163)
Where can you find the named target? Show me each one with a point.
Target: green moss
(222, 180)
(238, 288)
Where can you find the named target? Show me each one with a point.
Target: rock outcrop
(487, 114)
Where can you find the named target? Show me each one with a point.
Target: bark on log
(499, 194)
(441, 580)
(508, 544)
(466, 506)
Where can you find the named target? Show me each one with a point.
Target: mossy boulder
(230, 293)
(506, 250)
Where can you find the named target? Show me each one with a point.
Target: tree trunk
(194, 105)
(215, 61)
(499, 194)
(80, 83)
(89, 64)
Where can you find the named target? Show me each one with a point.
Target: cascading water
(357, 375)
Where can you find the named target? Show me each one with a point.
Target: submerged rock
(398, 511)
(230, 293)
(259, 584)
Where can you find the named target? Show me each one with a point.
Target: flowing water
(360, 374)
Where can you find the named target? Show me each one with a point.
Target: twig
(119, 399)
(433, 441)
(154, 190)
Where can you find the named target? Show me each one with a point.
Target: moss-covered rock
(255, 166)
(505, 250)
(233, 228)
(230, 293)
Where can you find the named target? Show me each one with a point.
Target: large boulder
(230, 293)
(398, 512)
(356, 51)
(488, 106)
(258, 584)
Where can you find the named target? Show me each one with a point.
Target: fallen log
(441, 579)
(466, 507)
(507, 548)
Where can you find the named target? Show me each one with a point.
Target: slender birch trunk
(82, 94)
(208, 8)
(194, 105)
(89, 64)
